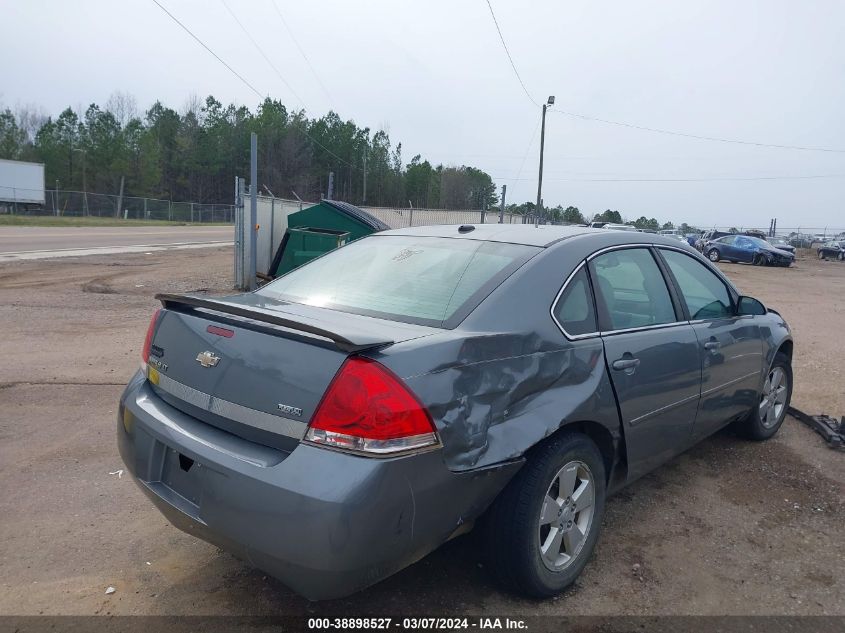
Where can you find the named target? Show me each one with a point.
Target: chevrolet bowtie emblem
(207, 359)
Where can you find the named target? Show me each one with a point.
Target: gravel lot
(730, 527)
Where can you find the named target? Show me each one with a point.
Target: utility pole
(502, 208)
(551, 101)
(253, 206)
(57, 196)
(330, 196)
(119, 199)
(84, 181)
(365, 173)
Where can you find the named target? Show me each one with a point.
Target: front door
(652, 356)
(730, 346)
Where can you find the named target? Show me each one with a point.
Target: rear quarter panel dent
(488, 411)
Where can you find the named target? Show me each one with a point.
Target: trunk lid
(257, 367)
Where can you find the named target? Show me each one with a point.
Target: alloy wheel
(773, 398)
(714, 255)
(566, 515)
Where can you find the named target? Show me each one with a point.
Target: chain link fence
(87, 204)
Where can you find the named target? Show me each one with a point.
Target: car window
(424, 280)
(632, 288)
(705, 294)
(743, 242)
(575, 311)
(728, 239)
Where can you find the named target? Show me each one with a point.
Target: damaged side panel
(505, 393)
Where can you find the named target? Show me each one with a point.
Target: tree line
(573, 215)
(194, 155)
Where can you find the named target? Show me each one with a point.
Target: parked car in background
(781, 244)
(708, 236)
(800, 240)
(692, 238)
(351, 416)
(834, 249)
(744, 248)
(620, 227)
(755, 233)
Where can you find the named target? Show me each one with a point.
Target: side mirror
(749, 306)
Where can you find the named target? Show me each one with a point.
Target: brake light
(148, 341)
(368, 409)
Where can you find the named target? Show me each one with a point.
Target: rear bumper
(325, 523)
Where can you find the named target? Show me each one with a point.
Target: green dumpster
(320, 229)
(303, 245)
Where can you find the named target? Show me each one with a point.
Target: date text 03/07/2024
(417, 623)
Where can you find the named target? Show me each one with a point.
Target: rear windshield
(427, 280)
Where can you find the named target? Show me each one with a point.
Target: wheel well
(602, 437)
(786, 349)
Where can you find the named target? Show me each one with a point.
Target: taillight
(148, 341)
(368, 409)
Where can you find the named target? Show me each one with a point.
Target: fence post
(411, 217)
(15, 196)
(169, 210)
(192, 213)
(146, 212)
(272, 226)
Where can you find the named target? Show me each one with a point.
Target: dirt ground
(730, 527)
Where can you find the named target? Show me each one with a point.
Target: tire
(763, 422)
(713, 255)
(822, 255)
(841, 257)
(515, 532)
(759, 260)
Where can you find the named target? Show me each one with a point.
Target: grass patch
(51, 220)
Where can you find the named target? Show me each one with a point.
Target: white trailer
(21, 183)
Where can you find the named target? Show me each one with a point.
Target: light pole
(538, 210)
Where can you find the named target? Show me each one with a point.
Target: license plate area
(182, 475)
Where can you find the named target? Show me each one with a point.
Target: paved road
(31, 242)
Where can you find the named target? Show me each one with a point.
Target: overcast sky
(435, 75)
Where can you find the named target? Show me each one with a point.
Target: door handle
(623, 364)
(712, 345)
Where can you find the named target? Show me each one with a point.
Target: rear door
(744, 249)
(730, 346)
(652, 355)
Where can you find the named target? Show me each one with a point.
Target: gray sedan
(350, 417)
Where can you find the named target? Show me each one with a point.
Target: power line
(527, 150)
(697, 136)
(692, 179)
(263, 54)
(279, 74)
(246, 83)
(216, 56)
(510, 59)
(302, 52)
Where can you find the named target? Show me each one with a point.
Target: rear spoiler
(345, 336)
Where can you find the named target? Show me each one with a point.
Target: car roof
(530, 235)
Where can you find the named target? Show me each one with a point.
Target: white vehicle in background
(671, 232)
(620, 227)
(21, 183)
